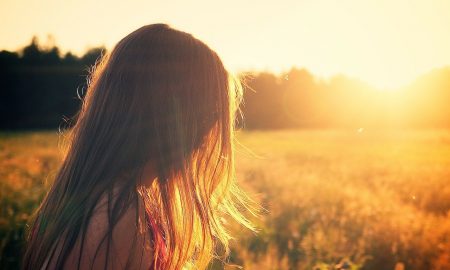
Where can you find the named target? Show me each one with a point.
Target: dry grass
(371, 200)
(27, 163)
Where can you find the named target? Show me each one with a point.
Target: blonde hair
(160, 96)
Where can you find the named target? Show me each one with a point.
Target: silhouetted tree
(70, 59)
(31, 54)
(8, 59)
(92, 55)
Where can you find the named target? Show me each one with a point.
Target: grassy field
(334, 199)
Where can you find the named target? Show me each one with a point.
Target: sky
(387, 43)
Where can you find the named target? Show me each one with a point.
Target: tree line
(41, 88)
(299, 99)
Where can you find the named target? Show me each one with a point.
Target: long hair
(164, 97)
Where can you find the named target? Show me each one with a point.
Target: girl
(148, 178)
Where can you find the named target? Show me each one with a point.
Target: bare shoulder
(130, 247)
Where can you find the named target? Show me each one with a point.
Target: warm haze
(348, 176)
(385, 43)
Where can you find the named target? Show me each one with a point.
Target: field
(353, 199)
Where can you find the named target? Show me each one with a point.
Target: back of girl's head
(162, 97)
(160, 91)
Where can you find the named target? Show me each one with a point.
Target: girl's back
(124, 253)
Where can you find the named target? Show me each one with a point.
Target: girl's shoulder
(130, 245)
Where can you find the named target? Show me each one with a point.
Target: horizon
(51, 43)
(385, 44)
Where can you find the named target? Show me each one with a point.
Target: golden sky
(384, 42)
